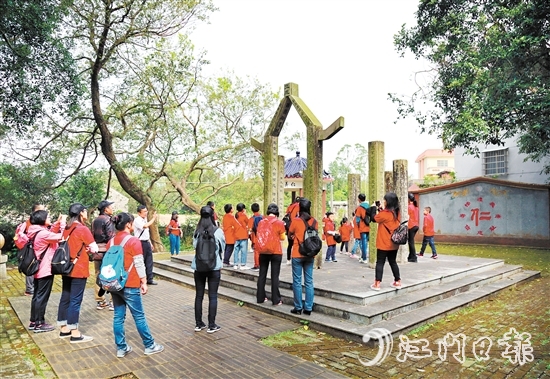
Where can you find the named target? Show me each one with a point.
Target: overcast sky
(339, 52)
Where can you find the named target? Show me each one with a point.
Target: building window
(495, 162)
(442, 163)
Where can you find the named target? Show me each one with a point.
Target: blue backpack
(112, 276)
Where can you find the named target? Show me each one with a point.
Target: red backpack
(267, 240)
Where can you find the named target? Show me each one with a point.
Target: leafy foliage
(36, 69)
(86, 187)
(22, 186)
(489, 75)
(350, 160)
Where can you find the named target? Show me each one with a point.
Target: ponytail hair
(121, 220)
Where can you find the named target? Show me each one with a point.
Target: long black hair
(392, 203)
(305, 209)
(412, 199)
(206, 222)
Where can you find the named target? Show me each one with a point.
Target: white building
(500, 162)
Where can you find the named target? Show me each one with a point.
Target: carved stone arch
(273, 163)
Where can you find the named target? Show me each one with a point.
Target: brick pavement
(525, 307)
(233, 352)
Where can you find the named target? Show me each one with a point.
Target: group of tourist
(231, 239)
(85, 245)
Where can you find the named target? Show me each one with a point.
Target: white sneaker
(288, 262)
(236, 267)
(245, 268)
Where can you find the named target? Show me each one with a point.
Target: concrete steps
(348, 308)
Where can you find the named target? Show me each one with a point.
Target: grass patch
(529, 258)
(298, 336)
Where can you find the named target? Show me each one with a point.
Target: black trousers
(213, 278)
(42, 291)
(265, 260)
(148, 259)
(391, 256)
(228, 252)
(412, 248)
(344, 244)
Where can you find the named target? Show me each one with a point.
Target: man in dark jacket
(103, 230)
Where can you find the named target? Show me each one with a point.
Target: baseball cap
(76, 208)
(104, 204)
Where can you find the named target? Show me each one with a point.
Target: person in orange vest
(412, 226)
(329, 229)
(292, 212)
(429, 232)
(345, 232)
(356, 237)
(240, 252)
(230, 225)
(252, 224)
(364, 229)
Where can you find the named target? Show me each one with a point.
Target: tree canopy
(36, 67)
(489, 73)
(147, 110)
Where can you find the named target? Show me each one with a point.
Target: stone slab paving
(234, 351)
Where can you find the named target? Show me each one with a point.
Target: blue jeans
(364, 246)
(305, 265)
(240, 252)
(72, 292)
(425, 241)
(130, 297)
(174, 244)
(356, 246)
(331, 253)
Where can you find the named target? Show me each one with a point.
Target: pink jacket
(46, 238)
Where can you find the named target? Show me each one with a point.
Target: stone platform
(344, 304)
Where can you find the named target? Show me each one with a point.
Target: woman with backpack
(44, 243)
(207, 233)
(80, 241)
(388, 220)
(268, 244)
(136, 286)
(300, 263)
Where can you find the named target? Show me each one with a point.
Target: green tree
(349, 160)
(22, 186)
(86, 187)
(37, 72)
(489, 75)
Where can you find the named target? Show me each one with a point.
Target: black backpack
(61, 260)
(287, 221)
(312, 244)
(28, 264)
(205, 252)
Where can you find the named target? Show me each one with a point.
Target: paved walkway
(233, 352)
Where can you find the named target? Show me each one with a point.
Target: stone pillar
(354, 189)
(401, 181)
(3, 260)
(271, 172)
(313, 175)
(376, 190)
(388, 182)
(281, 188)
